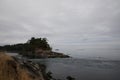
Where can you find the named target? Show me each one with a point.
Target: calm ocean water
(109, 52)
(87, 63)
(82, 69)
(97, 63)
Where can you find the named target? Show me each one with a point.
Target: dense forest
(30, 45)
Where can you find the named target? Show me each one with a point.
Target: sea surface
(82, 69)
(86, 63)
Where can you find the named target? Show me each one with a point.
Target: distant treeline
(30, 45)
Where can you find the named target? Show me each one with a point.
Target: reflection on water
(83, 69)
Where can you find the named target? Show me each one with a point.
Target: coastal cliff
(12, 68)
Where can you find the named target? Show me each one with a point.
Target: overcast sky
(63, 22)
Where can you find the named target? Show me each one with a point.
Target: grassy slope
(11, 70)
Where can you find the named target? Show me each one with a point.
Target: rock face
(50, 54)
(12, 68)
(39, 53)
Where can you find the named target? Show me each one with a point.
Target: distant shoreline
(50, 54)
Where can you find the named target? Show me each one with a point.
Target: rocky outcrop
(44, 54)
(12, 68)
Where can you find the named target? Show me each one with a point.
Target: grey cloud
(63, 22)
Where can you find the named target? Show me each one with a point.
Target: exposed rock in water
(12, 68)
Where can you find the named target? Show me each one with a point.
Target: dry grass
(11, 70)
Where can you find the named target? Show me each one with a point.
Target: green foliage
(30, 45)
(49, 75)
(39, 43)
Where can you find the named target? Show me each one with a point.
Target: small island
(34, 48)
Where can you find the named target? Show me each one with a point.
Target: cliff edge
(14, 69)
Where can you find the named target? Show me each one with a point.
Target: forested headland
(33, 48)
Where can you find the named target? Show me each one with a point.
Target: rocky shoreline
(15, 68)
(20, 69)
(44, 54)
